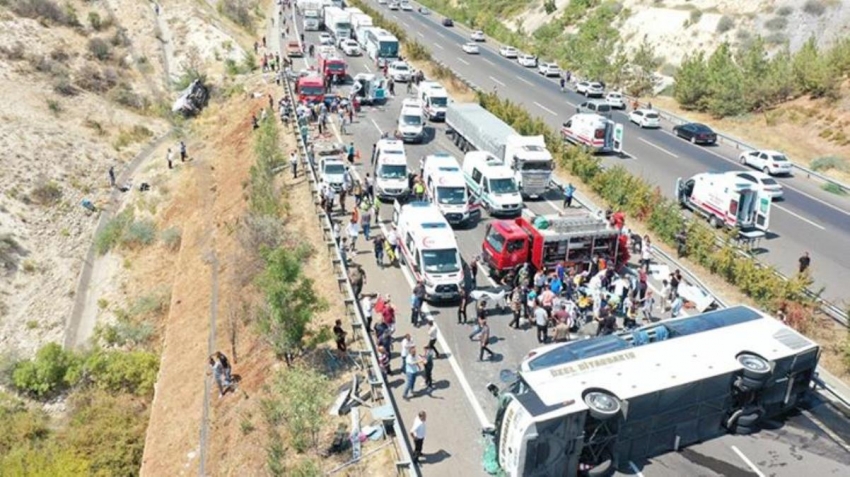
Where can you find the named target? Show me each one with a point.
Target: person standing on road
(483, 341)
(183, 154)
(406, 344)
(805, 261)
(461, 307)
(366, 222)
(428, 368)
(516, 306)
(366, 307)
(353, 230)
(563, 84)
(378, 245)
(417, 433)
(112, 176)
(646, 252)
(293, 163)
(169, 156)
(358, 278)
(432, 337)
(383, 361)
(541, 320)
(412, 366)
(417, 300)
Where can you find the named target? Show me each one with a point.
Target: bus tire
(748, 384)
(602, 405)
(714, 222)
(744, 430)
(755, 368)
(749, 419)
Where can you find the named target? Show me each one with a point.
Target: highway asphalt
(807, 219)
(459, 406)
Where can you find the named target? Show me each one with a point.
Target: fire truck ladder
(577, 225)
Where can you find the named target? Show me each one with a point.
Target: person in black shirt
(805, 261)
(461, 307)
(339, 335)
(607, 322)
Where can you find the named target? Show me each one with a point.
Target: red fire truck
(331, 65)
(310, 89)
(573, 237)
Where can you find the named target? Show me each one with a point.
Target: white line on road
(799, 217)
(463, 61)
(438, 46)
(488, 61)
(635, 469)
(376, 126)
(405, 24)
(367, 68)
(544, 108)
(748, 462)
(497, 81)
(525, 81)
(440, 34)
(665, 151)
(420, 34)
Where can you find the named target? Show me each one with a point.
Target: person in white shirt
(353, 231)
(366, 307)
(330, 197)
(293, 163)
(646, 252)
(392, 239)
(406, 343)
(417, 433)
(432, 337)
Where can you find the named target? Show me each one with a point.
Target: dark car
(696, 133)
(448, 22)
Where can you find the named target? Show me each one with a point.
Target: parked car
(477, 35)
(399, 71)
(769, 162)
(393, 5)
(508, 51)
(350, 48)
(528, 61)
(471, 48)
(590, 89)
(615, 99)
(325, 38)
(645, 118)
(696, 133)
(447, 22)
(549, 69)
(594, 107)
(764, 183)
(406, 7)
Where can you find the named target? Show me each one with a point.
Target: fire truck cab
(310, 89)
(331, 65)
(573, 237)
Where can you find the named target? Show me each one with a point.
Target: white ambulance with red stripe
(725, 199)
(446, 187)
(428, 248)
(593, 133)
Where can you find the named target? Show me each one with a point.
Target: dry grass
(456, 89)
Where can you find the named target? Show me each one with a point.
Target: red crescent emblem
(427, 242)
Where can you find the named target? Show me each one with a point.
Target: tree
(644, 66)
(290, 301)
(47, 373)
(691, 88)
(299, 402)
(813, 72)
(725, 84)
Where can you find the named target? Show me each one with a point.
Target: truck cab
(593, 133)
(492, 183)
(310, 89)
(332, 173)
(411, 127)
(427, 247)
(434, 99)
(573, 237)
(311, 10)
(726, 200)
(446, 187)
(391, 170)
(331, 65)
(531, 162)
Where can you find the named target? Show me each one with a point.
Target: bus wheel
(755, 367)
(602, 405)
(603, 469)
(744, 430)
(751, 416)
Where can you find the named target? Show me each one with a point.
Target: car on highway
(471, 48)
(382, 2)
(424, 11)
(594, 107)
(448, 22)
(293, 48)
(477, 35)
(769, 162)
(393, 5)
(406, 7)
(697, 133)
(645, 118)
(350, 47)
(529, 61)
(549, 69)
(615, 99)
(325, 38)
(590, 88)
(508, 51)
(764, 183)
(399, 71)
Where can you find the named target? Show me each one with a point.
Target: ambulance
(725, 199)
(492, 183)
(391, 170)
(428, 248)
(593, 133)
(411, 127)
(434, 99)
(446, 188)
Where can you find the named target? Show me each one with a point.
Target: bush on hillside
(100, 49)
(47, 373)
(240, 12)
(96, 80)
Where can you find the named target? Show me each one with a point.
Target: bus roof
(382, 35)
(697, 347)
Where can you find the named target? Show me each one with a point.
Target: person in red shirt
(618, 220)
(388, 314)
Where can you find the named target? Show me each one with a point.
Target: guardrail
(377, 384)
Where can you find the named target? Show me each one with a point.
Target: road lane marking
(748, 462)
(420, 34)
(440, 34)
(665, 151)
(488, 61)
(799, 217)
(438, 46)
(463, 61)
(376, 126)
(497, 81)
(367, 68)
(405, 24)
(544, 108)
(524, 81)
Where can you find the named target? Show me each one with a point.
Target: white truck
(311, 10)
(359, 21)
(475, 128)
(593, 133)
(446, 188)
(727, 200)
(337, 23)
(434, 99)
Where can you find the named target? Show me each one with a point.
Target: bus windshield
(388, 49)
(502, 186)
(336, 66)
(389, 171)
(451, 195)
(441, 261)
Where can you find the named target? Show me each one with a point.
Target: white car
(590, 88)
(508, 51)
(763, 181)
(528, 61)
(471, 48)
(615, 99)
(382, 2)
(407, 7)
(394, 6)
(769, 162)
(350, 47)
(325, 38)
(549, 69)
(477, 35)
(399, 71)
(645, 118)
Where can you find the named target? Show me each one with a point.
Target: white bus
(591, 406)
(381, 45)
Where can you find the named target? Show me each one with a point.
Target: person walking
(541, 320)
(353, 231)
(646, 252)
(428, 368)
(183, 154)
(383, 361)
(483, 341)
(473, 270)
(412, 366)
(805, 260)
(516, 306)
(406, 344)
(358, 277)
(366, 222)
(479, 325)
(569, 191)
(374, 153)
(417, 433)
(366, 308)
(432, 337)
(417, 300)
(461, 307)
(378, 245)
(112, 176)
(220, 371)
(169, 156)
(351, 153)
(293, 163)
(339, 338)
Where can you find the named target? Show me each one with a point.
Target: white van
(446, 187)
(428, 248)
(726, 199)
(411, 126)
(434, 98)
(492, 183)
(390, 170)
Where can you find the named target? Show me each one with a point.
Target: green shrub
(240, 12)
(776, 23)
(171, 237)
(48, 193)
(306, 468)
(549, 6)
(830, 162)
(100, 49)
(46, 10)
(123, 333)
(95, 21)
(46, 374)
(725, 24)
(298, 401)
(112, 232)
(139, 233)
(785, 11)
(695, 16)
(154, 303)
(814, 7)
(834, 188)
(131, 372)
